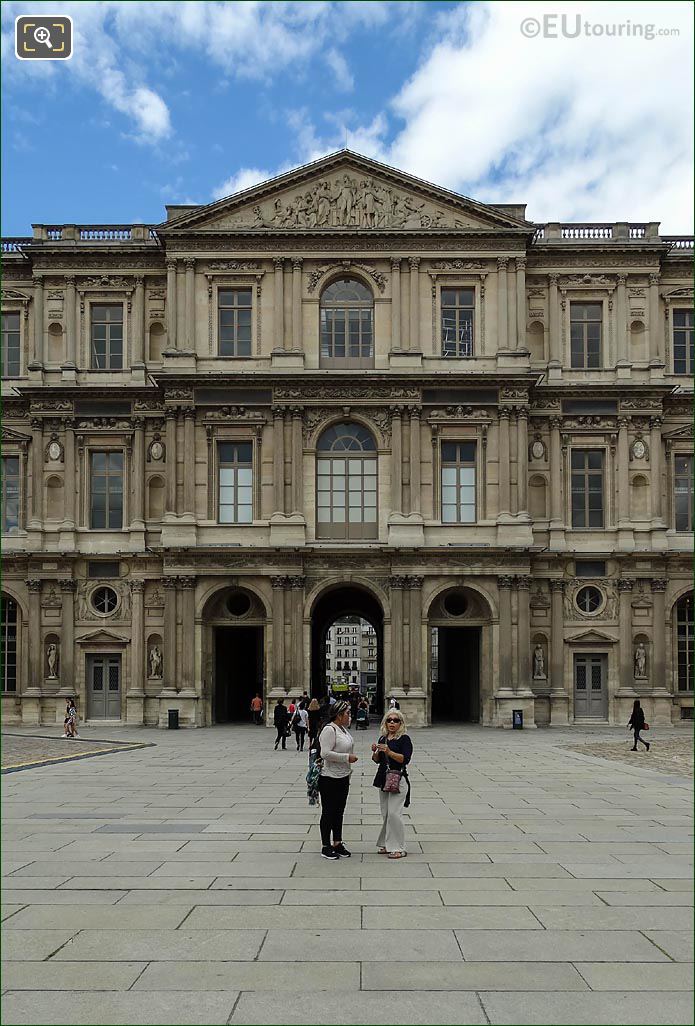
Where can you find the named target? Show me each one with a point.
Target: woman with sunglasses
(392, 752)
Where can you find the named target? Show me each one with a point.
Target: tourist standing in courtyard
(393, 752)
(337, 757)
(300, 725)
(280, 719)
(636, 723)
(256, 708)
(314, 711)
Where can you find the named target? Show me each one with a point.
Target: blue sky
(184, 102)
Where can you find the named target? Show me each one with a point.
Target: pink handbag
(392, 781)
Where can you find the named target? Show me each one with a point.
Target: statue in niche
(640, 660)
(52, 660)
(155, 661)
(539, 663)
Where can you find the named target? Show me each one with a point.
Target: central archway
(337, 602)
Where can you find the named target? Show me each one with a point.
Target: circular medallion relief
(54, 451)
(538, 450)
(639, 449)
(156, 450)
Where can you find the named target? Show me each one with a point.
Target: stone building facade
(347, 392)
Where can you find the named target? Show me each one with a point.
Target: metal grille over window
(684, 639)
(589, 599)
(10, 345)
(458, 309)
(235, 482)
(106, 506)
(585, 335)
(107, 337)
(683, 485)
(458, 482)
(10, 494)
(683, 342)
(587, 488)
(235, 306)
(346, 483)
(347, 333)
(104, 600)
(8, 651)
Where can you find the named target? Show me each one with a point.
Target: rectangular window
(106, 491)
(683, 486)
(234, 312)
(683, 342)
(458, 308)
(107, 337)
(10, 345)
(587, 487)
(585, 335)
(8, 644)
(589, 568)
(235, 482)
(103, 569)
(458, 482)
(10, 494)
(684, 627)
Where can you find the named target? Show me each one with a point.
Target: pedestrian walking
(337, 758)
(280, 720)
(256, 708)
(314, 712)
(300, 725)
(392, 752)
(66, 721)
(636, 723)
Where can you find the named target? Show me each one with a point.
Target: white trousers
(392, 833)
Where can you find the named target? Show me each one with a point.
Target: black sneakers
(329, 853)
(342, 851)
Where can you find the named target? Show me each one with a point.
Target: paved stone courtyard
(181, 883)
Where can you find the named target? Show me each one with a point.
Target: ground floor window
(8, 652)
(684, 642)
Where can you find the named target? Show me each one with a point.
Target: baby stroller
(362, 719)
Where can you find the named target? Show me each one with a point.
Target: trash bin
(517, 719)
(173, 719)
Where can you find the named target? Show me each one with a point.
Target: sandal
(383, 851)
(397, 854)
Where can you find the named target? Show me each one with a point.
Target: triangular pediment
(346, 192)
(13, 296)
(684, 433)
(592, 637)
(101, 637)
(10, 436)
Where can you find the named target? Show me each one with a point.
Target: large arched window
(684, 642)
(8, 644)
(346, 483)
(347, 325)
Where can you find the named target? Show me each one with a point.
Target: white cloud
(341, 72)
(242, 179)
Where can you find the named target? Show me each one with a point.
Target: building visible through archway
(348, 608)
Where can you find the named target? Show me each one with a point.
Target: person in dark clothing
(314, 711)
(636, 723)
(280, 719)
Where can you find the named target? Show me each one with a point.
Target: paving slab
(361, 945)
(367, 1008)
(118, 1009)
(439, 976)
(678, 944)
(630, 976)
(557, 946)
(284, 977)
(592, 1009)
(71, 975)
(162, 945)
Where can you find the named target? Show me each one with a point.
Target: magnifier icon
(42, 35)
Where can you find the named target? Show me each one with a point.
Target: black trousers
(334, 795)
(638, 738)
(282, 736)
(300, 734)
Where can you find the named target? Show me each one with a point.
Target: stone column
(625, 624)
(622, 354)
(504, 584)
(67, 637)
(279, 312)
(396, 342)
(415, 460)
(523, 585)
(71, 325)
(278, 585)
(297, 460)
(138, 340)
(557, 514)
(656, 347)
(137, 518)
(296, 586)
(297, 303)
(171, 459)
(69, 474)
(37, 458)
(279, 458)
(522, 460)
(623, 473)
(169, 673)
(555, 341)
(415, 593)
(36, 646)
(187, 584)
(189, 263)
(511, 305)
(655, 459)
(137, 640)
(414, 343)
(557, 638)
(658, 668)
(502, 318)
(505, 504)
(396, 461)
(189, 460)
(37, 354)
(396, 586)
(171, 303)
(520, 303)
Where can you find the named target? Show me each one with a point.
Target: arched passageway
(333, 605)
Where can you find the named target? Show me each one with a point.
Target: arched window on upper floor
(347, 325)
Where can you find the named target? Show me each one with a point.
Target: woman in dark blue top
(393, 752)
